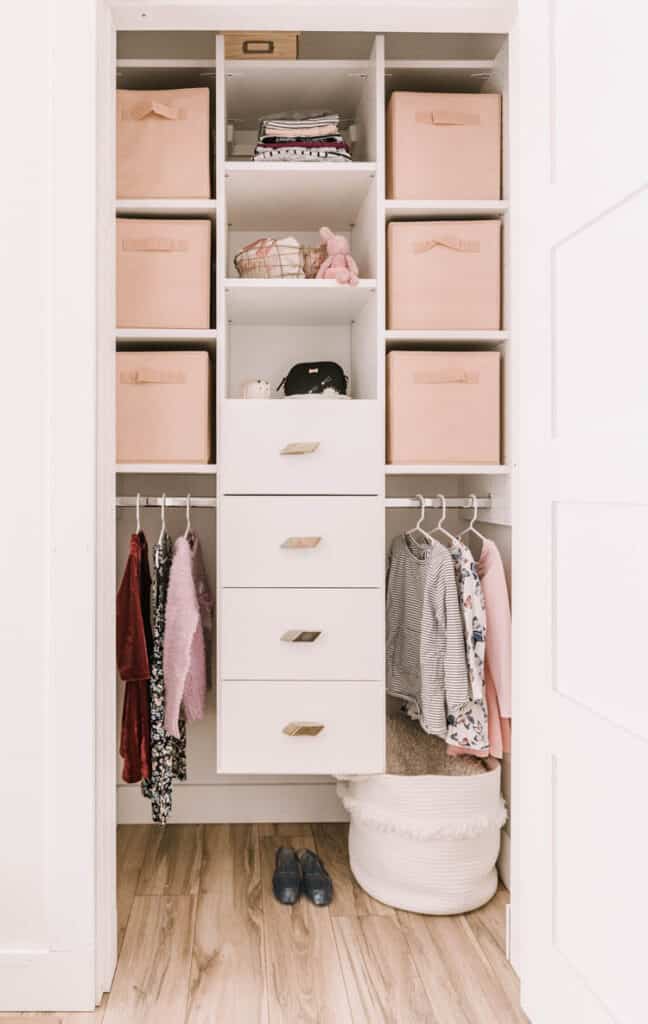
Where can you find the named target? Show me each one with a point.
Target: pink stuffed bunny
(339, 264)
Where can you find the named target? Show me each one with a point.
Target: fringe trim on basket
(374, 818)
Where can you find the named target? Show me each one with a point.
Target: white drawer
(258, 634)
(254, 715)
(347, 534)
(346, 436)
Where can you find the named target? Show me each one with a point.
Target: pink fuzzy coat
(188, 613)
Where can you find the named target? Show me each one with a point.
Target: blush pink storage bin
(443, 275)
(443, 407)
(163, 144)
(444, 145)
(163, 410)
(163, 273)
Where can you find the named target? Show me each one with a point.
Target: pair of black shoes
(301, 871)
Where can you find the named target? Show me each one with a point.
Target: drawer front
(302, 634)
(301, 542)
(295, 446)
(337, 728)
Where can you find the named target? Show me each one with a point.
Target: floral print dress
(168, 753)
(468, 730)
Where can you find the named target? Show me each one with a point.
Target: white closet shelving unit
(336, 492)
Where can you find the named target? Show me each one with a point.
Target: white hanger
(471, 527)
(138, 525)
(163, 518)
(418, 528)
(188, 529)
(439, 528)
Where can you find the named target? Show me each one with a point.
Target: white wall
(47, 508)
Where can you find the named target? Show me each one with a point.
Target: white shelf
(422, 209)
(408, 339)
(455, 469)
(140, 334)
(252, 301)
(167, 468)
(295, 196)
(167, 207)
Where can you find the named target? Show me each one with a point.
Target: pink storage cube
(443, 407)
(163, 144)
(163, 273)
(443, 275)
(163, 409)
(444, 145)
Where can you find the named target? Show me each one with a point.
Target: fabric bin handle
(446, 377)
(447, 117)
(447, 242)
(155, 245)
(258, 46)
(152, 377)
(142, 110)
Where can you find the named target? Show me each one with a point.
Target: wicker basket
(426, 843)
(268, 258)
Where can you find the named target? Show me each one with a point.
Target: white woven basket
(426, 843)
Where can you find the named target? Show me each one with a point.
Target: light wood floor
(202, 941)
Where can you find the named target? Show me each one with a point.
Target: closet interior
(297, 502)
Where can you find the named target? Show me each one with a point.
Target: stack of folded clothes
(301, 137)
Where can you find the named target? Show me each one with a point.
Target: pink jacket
(188, 613)
(498, 648)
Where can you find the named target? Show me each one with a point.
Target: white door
(582, 498)
(47, 513)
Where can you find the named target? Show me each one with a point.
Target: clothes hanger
(163, 529)
(440, 528)
(188, 529)
(138, 525)
(471, 526)
(418, 528)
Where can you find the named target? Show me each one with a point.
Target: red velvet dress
(134, 647)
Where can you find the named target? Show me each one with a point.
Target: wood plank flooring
(203, 941)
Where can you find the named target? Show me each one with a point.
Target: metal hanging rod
(145, 502)
(466, 503)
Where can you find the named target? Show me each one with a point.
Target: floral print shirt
(469, 728)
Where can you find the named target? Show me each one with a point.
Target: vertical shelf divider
(220, 130)
(378, 69)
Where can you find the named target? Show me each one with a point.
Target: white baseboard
(227, 804)
(504, 862)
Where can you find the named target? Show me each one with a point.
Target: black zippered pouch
(314, 378)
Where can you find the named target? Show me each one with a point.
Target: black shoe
(286, 880)
(316, 881)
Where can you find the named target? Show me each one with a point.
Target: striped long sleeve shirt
(426, 651)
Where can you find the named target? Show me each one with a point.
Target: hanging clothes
(498, 649)
(468, 731)
(168, 753)
(188, 616)
(134, 650)
(426, 652)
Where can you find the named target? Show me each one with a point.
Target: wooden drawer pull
(303, 729)
(300, 542)
(300, 448)
(301, 636)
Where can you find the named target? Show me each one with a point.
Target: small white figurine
(256, 389)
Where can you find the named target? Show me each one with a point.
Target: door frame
(451, 16)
